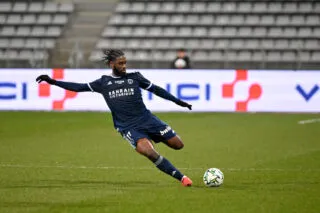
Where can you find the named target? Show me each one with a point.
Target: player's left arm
(159, 91)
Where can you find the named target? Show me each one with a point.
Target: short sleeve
(143, 82)
(95, 86)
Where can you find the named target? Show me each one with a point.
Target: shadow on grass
(76, 184)
(58, 204)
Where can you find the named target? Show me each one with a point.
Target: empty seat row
(211, 19)
(23, 55)
(242, 55)
(32, 19)
(309, 44)
(139, 55)
(30, 43)
(240, 31)
(36, 31)
(220, 7)
(35, 7)
(213, 32)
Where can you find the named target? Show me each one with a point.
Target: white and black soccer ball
(213, 177)
(180, 63)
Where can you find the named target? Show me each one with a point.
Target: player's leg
(159, 131)
(174, 142)
(145, 147)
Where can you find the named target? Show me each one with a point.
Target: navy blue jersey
(123, 97)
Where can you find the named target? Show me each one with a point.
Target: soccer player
(131, 118)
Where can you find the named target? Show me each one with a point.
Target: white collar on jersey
(114, 76)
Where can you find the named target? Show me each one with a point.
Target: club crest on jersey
(119, 81)
(130, 81)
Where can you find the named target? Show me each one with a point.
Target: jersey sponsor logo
(130, 81)
(165, 131)
(119, 81)
(121, 92)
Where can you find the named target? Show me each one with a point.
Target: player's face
(119, 66)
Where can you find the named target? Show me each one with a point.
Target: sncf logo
(44, 90)
(254, 91)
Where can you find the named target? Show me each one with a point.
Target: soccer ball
(213, 177)
(180, 63)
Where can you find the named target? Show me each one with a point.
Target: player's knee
(179, 145)
(146, 149)
(175, 143)
(150, 154)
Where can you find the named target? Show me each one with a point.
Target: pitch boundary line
(146, 168)
(309, 121)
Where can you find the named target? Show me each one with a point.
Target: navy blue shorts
(153, 128)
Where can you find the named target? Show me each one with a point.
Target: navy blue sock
(164, 165)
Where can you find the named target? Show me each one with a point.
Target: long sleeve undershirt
(76, 87)
(163, 93)
(81, 87)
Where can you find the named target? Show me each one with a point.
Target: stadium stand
(218, 34)
(248, 34)
(29, 30)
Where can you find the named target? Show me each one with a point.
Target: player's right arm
(159, 91)
(94, 86)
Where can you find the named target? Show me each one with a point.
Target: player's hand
(184, 104)
(45, 78)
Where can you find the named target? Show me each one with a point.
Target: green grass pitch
(76, 162)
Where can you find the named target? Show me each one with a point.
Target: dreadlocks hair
(111, 55)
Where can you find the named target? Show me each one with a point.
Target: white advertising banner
(206, 90)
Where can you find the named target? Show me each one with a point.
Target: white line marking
(148, 168)
(309, 121)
